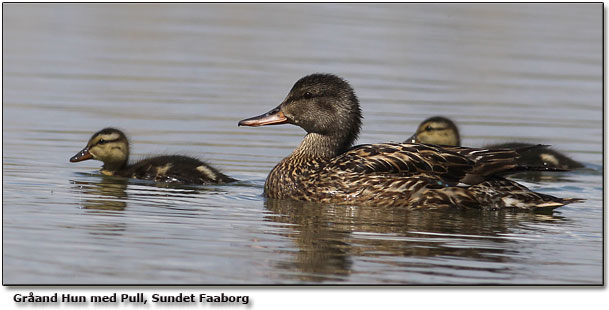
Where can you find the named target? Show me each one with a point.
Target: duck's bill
(412, 139)
(82, 155)
(272, 117)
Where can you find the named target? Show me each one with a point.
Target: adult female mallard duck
(111, 146)
(442, 131)
(324, 168)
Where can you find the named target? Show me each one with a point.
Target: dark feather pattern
(533, 156)
(175, 169)
(498, 193)
(403, 158)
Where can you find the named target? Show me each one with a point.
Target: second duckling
(442, 131)
(111, 146)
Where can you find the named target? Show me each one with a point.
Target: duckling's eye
(101, 141)
(429, 128)
(307, 95)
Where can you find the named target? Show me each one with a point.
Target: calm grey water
(178, 77)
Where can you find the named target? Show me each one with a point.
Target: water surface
(178, 77)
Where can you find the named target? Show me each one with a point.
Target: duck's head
(324, 105)
(436, 130)
(108, 145)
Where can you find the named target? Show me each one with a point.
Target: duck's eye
(429, 128)
(307, 95)
(101, 141)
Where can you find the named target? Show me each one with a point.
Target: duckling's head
(436, 130)
(108, 145)
(323, 105)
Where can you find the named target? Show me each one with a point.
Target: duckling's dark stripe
(432, 128)
(102, 141)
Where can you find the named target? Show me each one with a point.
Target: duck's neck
(113, 167)
(315, 150)
(321, 146)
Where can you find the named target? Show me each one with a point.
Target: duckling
(436, 130)
(442, 131)
(111, 146)
(326, 168)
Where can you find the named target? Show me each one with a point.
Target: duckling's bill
(82, 155)
(273, 117)
(412, 139)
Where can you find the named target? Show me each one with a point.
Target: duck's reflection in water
(110, 196)
(331, 238)
(324, 253)
(110, 192)
(106, 197)
(107, 194)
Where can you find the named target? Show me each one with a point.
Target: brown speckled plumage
(323, 168)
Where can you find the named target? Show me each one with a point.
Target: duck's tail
(500, 193)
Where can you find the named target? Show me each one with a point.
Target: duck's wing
(502, 161)
(489, 161)
(453, 164)
(404, 158)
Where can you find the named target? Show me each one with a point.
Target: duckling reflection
(109, 194)
(331, 237)
(442, 131)
(110, 146)
(107, 197)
